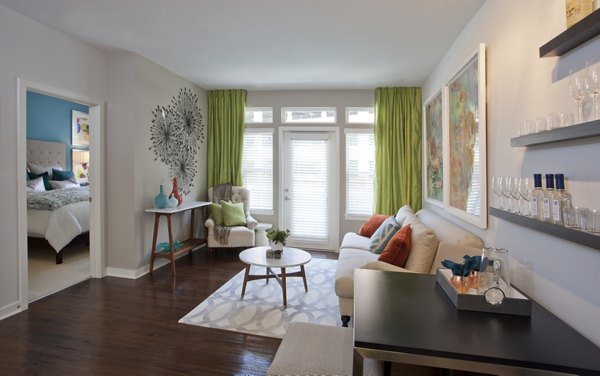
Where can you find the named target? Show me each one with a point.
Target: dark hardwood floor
(115, 326)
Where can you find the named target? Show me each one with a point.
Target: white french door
(309, 205)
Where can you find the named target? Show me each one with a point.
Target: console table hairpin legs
(186, 246)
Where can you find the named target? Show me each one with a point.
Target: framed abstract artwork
(433, 150)
(465, 191)
(81, 165)
(80, 129)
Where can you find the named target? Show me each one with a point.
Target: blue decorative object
(463, 268)
(166, 247)
(161, 200)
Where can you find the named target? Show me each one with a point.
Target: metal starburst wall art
(176, 134)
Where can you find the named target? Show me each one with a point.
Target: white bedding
(61, 225)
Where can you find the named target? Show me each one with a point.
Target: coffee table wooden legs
(280, 278)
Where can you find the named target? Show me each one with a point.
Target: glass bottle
(537, 196)
(566, 200)
(547, 215)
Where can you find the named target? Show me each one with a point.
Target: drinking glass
(514, 193)
(525, 193)
(497, 189)
(566, 119)
(577, 89)
(568, 217)
(585, 219)
(577, 218)
(552, 121)
(505, 189)
(522, 128)
(592, 84)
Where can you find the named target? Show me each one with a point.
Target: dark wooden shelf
(186, 246)
(583, 31)
(565, 233)
(573, 132)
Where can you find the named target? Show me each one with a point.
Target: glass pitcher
(494, 271)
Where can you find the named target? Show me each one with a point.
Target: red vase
(175, 192)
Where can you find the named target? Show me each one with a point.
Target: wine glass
(497, 189)
(577, 89)
(514, 193)
(525, 193)
(592, 84)
(505, 189)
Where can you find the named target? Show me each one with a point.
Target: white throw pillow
(403, 213)
(382, 235)
(63, 184)
(424, 245)
(35, 185)
(39, 169)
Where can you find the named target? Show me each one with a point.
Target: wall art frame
(433, 150)
(465, 158)
(80, 129)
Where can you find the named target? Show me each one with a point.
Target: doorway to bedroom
(77, 162)
(58, 206)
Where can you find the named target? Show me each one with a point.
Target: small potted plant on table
(277, 239)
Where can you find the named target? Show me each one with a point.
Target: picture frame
(465, 159)
(80, 161)
(433, 150)
(80, 129)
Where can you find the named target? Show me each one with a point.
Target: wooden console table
(407, 318)
(188, 245)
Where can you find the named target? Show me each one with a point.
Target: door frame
(335, 174)
(97, 111)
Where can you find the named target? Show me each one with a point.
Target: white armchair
(239, 236)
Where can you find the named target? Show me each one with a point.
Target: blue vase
(161, 200)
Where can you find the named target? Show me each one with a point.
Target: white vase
(276, 246)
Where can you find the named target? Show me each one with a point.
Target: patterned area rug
(261, 312)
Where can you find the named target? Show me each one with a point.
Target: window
(322, 115)
(360, 115)
(257, 169)
(360, 173)
(257, 115)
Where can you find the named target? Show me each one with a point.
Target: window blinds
(257, 168)
(360, 173)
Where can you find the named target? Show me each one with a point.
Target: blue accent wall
(49, 119)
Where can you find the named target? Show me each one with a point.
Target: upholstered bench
(311, 349)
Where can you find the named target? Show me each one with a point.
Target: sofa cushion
(353, 240)
(369, 228)
(423, 246)
(397, 250)
(349, 260)
(447, 231)
(403, 213)
(383, 235)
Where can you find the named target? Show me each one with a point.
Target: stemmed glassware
(505, 189)
(577, 89)
(497, 189)
(514, 193)
(592, 84)
(525, 193)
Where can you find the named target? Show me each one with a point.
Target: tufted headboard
(46, 153)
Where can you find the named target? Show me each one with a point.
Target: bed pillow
(398, 248)
(216, 212)
(40, 169)
(44, 176)
(368, 229)
(383, 235)
(233, 214)
(35, 185)
(60, 175)
(63, 184)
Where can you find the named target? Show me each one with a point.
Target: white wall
(39, 54)
(560, 275)
(315, 98)
(137, 86)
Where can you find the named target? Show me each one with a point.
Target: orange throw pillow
(398, 248)
(368, 229)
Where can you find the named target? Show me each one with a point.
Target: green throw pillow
(233, 214)
(216, 212)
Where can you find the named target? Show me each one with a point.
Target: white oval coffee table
(290, 257)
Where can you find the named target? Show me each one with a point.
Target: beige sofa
(433, 239)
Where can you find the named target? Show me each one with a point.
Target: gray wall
(561, 275)
(316, 98)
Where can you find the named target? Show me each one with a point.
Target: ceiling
(269, 44)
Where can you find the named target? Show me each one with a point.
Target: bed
(60, 215)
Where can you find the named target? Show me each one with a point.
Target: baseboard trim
(10, 310)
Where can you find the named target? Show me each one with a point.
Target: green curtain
(397, 149)
(226, 120)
